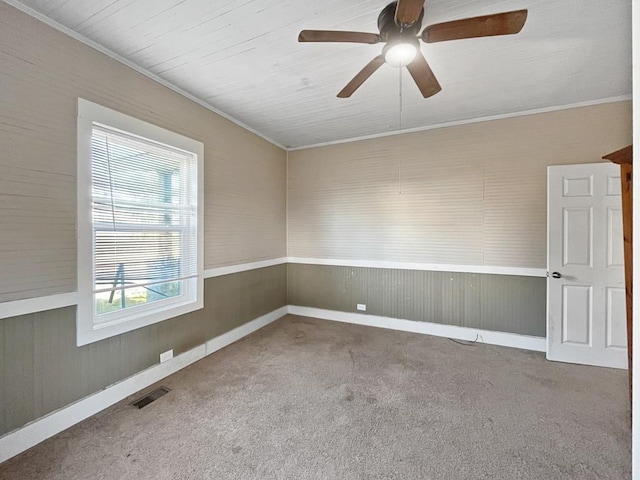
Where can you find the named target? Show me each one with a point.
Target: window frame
(88, 329)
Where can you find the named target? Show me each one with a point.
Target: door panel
(615, 248)
(614, 187)
(616, 318)
(585, 289)
(577, 236)
(578, 186)
(577, 313)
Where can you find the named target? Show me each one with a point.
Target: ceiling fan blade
(423, 76)
(408, 12)
(506, 23)
(362, 75)
(337, 36)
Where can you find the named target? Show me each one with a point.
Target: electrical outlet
(362, 307)
(168, 355)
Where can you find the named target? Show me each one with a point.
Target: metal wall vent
(151, 397)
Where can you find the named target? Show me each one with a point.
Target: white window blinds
(144, 217)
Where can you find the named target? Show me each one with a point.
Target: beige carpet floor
(312, 399)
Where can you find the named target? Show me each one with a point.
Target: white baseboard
(527, 342)
(237, 333)
(39, 430)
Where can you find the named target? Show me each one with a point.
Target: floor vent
(152, 397)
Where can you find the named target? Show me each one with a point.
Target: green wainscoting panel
(41, 369)
(504, 303)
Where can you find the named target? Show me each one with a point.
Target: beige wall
(466, 195)
(42, 74)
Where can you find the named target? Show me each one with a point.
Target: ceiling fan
(399, 24)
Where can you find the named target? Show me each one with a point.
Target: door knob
(556, 275)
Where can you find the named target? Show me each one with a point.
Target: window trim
(88, 331)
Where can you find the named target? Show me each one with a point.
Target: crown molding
(469, 121)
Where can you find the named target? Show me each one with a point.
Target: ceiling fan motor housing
(389, 30)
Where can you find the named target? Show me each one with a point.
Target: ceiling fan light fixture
(399, 24)
(400, 54)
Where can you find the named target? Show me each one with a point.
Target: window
(139, 223)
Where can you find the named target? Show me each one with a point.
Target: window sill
(101, 332)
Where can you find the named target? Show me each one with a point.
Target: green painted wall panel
(519, 303)
(42, 370)
(492, 302)
(3, 387)
(18, 371)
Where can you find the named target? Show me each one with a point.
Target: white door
(586, 320)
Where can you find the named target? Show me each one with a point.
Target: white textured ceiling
(242, 57)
